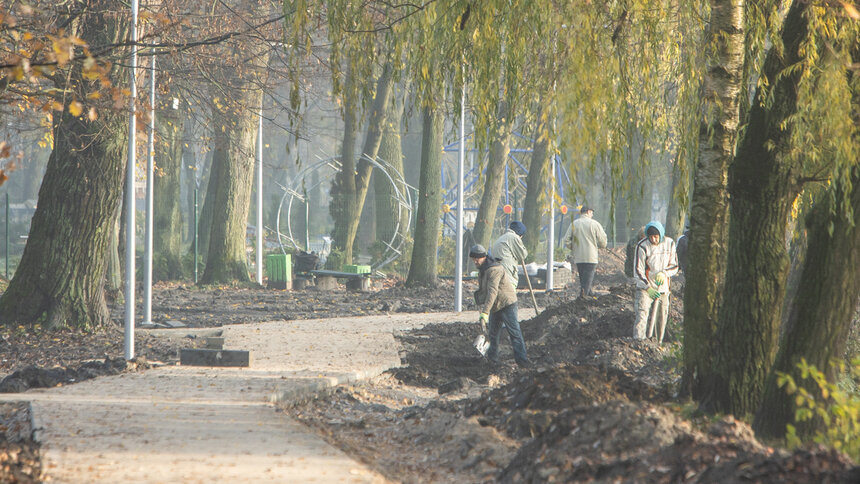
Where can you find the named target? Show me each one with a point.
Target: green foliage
(398, 266)
(560, 252)
(816, 399)
(335, 261)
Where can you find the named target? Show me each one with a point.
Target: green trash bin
(279, 270)
(356, 269)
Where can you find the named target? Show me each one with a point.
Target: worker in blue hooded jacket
(655, 263)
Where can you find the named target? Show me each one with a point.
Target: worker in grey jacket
(587, 236)
(511, 251)
(497, 304)
(655, 264)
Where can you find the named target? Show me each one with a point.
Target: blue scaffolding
(516, 170)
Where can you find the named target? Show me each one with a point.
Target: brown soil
(597, 406)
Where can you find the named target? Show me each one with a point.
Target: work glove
(482, 320)
(660, 278)
(653, 293)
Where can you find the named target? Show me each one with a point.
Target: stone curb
(310, 390)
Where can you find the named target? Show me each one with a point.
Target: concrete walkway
(193, 424)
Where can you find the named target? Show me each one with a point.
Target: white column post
(150, 180)
(550, 245)
(259, 260)
(458, 263)
(129, 195)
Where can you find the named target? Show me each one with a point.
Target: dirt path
(194, 424)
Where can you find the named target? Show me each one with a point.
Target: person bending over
(497, 305)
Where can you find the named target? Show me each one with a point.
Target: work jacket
(588, 235)
(494, 292)
(510, 250)
(652, 259)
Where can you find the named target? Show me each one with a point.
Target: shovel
(481, 344)
(531, 291)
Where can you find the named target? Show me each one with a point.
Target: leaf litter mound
(597, 407)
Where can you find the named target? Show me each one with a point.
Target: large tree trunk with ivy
(494, 178)
(230, 185)
(763, 185)
(60, 279)
(535, 186)
(709, 211)
(390, 151)
(167, 218)
(422, 270)
(821, 315)
(351, 184)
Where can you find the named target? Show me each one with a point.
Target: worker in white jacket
(655, 264)
(587, 236)
(511, 251)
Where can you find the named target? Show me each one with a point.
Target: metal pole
(150, 180)
(307, 220)
(550, 241)
(195, 234)
(458, 262)
(7, 236)
(260, 196)
(507, 200)
(129, 194)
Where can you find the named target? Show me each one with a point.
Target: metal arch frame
(562, 176)
(404, 202)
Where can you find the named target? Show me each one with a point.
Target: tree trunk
(495, 177)
(113, 277)
(234, 132)
(536, 180)
(207, 206)
(343, 186)
(372, 140)
(676, 215)
(60, 279)
(709, 211)
(390, 151)
(820, 318)
(763, 186)
(353, 188)
(167, 218)
(189, 168)
(422, 270)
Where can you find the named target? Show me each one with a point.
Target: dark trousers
(508, 317)
(586, 277)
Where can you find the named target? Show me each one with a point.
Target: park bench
(326, 279)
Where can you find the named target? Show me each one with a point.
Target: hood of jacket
(657, 225)
(490, 261)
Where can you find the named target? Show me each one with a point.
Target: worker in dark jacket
(497, 305)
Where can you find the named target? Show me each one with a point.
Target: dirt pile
(47, 358)
(191, 306)
(598, 407)
(36, 377)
